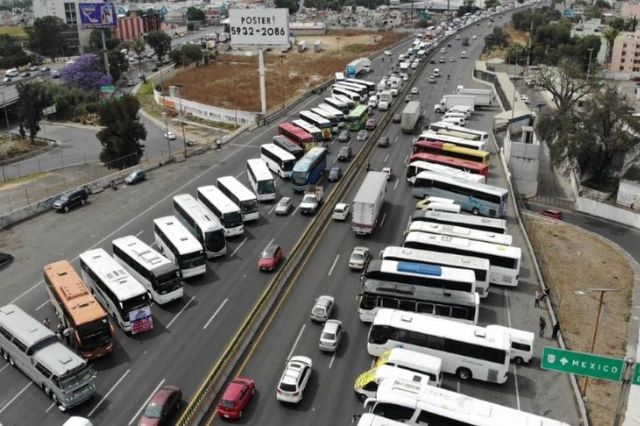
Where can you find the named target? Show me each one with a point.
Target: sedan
(284, 206)
(322, 308)
(170, 135)
(408, 98)
(556, 214)
(270, 257)
(452, 58)
(344, 136)
(331, 336)
(362, 135)
(162, 407)
(371, 124)
(5, 259)
(135, 177)
(383, 142)
(341, 211)
(236, 397)
(335, 174)
(359, 258)
(414, 90)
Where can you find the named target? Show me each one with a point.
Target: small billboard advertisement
(97, 15)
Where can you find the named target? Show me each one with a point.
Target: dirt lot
(514, 37)
(16, 147)
(573, 262)
(232, 81)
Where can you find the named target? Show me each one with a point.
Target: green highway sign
(636, 375)
(108, 88)
(583, 364)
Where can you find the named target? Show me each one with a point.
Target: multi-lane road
(190, 335)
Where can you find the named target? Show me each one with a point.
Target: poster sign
(97, 15)
(259, 27)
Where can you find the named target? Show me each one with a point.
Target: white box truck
(449, 101)
(410, 117)
(302, 45)
(368, 202)
(483, 97)
(358, 66)
(385, 100)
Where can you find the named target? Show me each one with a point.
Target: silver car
(331, 336)
(322, 308)
(359, 258)
(284, 206)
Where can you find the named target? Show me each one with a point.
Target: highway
(189, 336)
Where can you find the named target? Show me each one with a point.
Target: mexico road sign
(583, 364)
(259, 27)
(636, 375)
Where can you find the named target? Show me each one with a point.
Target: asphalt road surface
(189, 335)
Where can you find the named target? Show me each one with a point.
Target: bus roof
(394, 355)
(121, 283)
(313, 116)
(259, 169)
(449, 126)
(282, 153)
(451, 162)
(430, 135)
(23, 326)
(489, 189)
(58, 359)
(368, 419)
(239, 190)
(198, 212)
(358, 111)
(221, 201)
(447, 170)
(309, 158)
(466, 220)
(462, 232)
(420, 292)
(180, 236)
(422, 270)
(444, 147)
(78, 300)
(465, 244)
(144, 254)
(435, 257)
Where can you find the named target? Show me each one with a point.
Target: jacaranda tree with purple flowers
(86, 72)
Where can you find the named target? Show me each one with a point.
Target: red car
(162, 407)
(236, 397)
(371, 124)
(270, 258)
(552, 213)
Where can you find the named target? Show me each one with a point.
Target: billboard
(259, 27)
(97, 15)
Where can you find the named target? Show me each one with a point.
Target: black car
(5, 260)
(383, 141)
(71, 199)
(135, 177)
(335, 174)
(345, 153)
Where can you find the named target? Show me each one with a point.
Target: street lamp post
(166, 133)
(184, 139)
(338, 41)
(6, 116)
(589, 64)
(282, 56)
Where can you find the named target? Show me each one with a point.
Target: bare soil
(572, 262)
(231, 81)
(513, 37)
(16, 147)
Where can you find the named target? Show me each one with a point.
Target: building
(67, 10)
(629, 10)
(135, 25)
(589, 28)
(629, 189)
(307, 28)
(625, 57)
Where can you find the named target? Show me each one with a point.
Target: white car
(373, 101)
(322, 308)
(387, 170)
(387, 52)
(331, 336)
(414, 90)
(359, 258)
(170, 135)
(294, 379)
(341, 211)
(525, 99)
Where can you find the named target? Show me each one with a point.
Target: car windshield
(269, 252)
(227, 404)
(284, 202)
(64, 197)
(357, 256)
(318, 310)
(328, 336)
(153, 411)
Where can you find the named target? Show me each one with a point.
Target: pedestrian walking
(59, 330)
(555, 330)
(538, 296)
(46, 322)
(543, 325)
(67, 335)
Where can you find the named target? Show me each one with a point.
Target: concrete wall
(607, 211)
(524, 162)
(628, 194)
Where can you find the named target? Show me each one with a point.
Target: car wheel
(464, 374)
(83, 202)
(475, 211)
(66, 209)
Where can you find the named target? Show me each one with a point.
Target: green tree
(488, 4)
(292, 5)
(592, 12)
(176, 56)
(45, 36)
(468, 6)
(34, 97)
(497, 38)
(118, 64)
(122, 132)
(191, 53)
(610, 35)
(195, 15)
(160, 42)
(138, 46)
(95, 41)
(11, 53)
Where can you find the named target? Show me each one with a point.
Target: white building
(67, 10)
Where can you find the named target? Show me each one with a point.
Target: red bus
(297, 135)
(451, 150)
(467, 166)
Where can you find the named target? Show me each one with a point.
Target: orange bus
(77, 308)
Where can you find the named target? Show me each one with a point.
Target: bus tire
(475, 211)
(4, 354)
(463, 374)
(518, 360)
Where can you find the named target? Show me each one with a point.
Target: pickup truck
(312, 199)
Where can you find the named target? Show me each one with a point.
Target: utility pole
(589, 64)
(104, 53)
(529, 43)
(6, 116)
(184, 138)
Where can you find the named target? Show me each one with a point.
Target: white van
(438, 207)
(521, 345)
(373, 101)
(466, 110)
(366, 384)
(453, 114)
(458, 121)
(463, 54)
(413, 361)
(339, 76)
(11, 72)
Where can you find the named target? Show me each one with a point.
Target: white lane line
(240, 174)
(386, 157)
(5, 366)
(382, 221)
(270, 242)
(396, 184)
(395, 140)
(139, 233)
(108, 393)
(406, 159)
(334, 265)
(333, 358)
(151, 207)
(50, 407)
(295, 210)
(15, 397)
(515, 372)
(145, 402)
(296, 342)
(373, 361)
(238, 248)
(180, 311)
(224, 302)
(42, 305)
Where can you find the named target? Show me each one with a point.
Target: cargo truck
(482, 97)
(358, 66)
(385, 100)
(312, 199)
(449, 101)
(368, 202)
(410, 117)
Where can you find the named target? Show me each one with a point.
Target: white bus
(117, 291)
(337, 104)
(241, 196)
(498, 226)
(158, 274)
(458, 231)
(448, 280)
(480, 267)
(202, 224)
(309, 128)
(261, 179)
(368, 419)
(343, 91)
(477, 198)
(337, 113)
(415, 405)
(368, 84)
(227, 212)
(461, 142)
(457, 306)
(320, 122)
(504, 260)
(36, 351)
(418, 166)
(332, 118)
(468, 351)
(176, 242)
(277, 160)
(444, 128)
(345, 100)
(361, 90)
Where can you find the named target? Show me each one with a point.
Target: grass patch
(356, 48)
(14, 148)
(145, 96)
(14, 31)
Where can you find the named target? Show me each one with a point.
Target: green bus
(358, 117)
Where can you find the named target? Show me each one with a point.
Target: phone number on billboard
(250, 31)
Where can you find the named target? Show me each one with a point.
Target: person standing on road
(538, 297)
(543, 325)
(555, 330)
(46, 322)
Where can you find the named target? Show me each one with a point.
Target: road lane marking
(224, 302)
(42, 305)
(139, 233)
(296, 342)
(396, 184)
(15, 397)
(5, 366)
(295, 210)
(333, 358)
(383, 218)
(396, 139)
(238, 248)
(50, 407)
(108, 393)
(406, 159)
(145, 402)
(386, 157)
(240, 174)
(334, 264)
(272, 208)
(515, 372)
(180, 311)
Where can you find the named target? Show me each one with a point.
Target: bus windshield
(169, 281)
(134, 303)
(248, 206)
(194, 259)
(76, 377)
(94, 334)
(266, 186)
(232, 219)
(300, 178)
(214, 240)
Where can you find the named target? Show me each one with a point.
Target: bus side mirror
(368, 403)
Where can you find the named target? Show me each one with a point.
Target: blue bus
(309, 169)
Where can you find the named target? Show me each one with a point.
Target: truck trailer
(368, 202)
